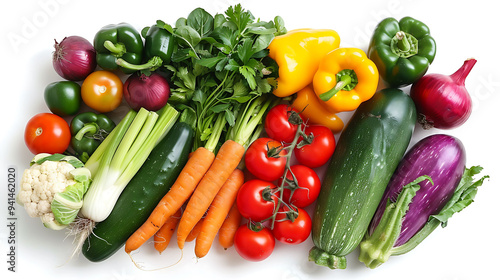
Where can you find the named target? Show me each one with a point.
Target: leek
(120, 156)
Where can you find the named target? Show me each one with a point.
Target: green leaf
(232, 65)
(262, 42)
(199, 96)
(222, 64)
(226, 36)
(187, 77)
(181, 22)
(463, 195)
(245, 50)
(201, 21)
(220, 108)
(263, 85)
(188, 35)
(279, 23)
(209, 62)
(260, 30)
(249, 75)
(230, 118)
(219, 20)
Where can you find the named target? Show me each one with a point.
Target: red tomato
(254, 244)
(277, 126)
(47, 133)
(321, 148)
(256, 200)
(265, 159)
(292, 232)
(306, 189)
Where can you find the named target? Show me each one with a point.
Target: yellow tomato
(102, 91)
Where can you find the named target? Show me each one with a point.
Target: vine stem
(300, 132)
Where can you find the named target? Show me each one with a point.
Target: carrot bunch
(207, 185)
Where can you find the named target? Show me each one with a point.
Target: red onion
(74, 58)
(150, 92)
(442, 101)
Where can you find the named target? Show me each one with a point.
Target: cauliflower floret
(53, 189)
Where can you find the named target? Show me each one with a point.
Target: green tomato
(63, 98)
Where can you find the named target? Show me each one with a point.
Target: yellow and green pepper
(345, 78)
(298, 54)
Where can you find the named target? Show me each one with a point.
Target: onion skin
(442, 101)
(440, 156)
(151, 92)
(74, 58)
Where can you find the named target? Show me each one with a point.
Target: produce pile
(229, 120)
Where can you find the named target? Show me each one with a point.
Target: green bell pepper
(158, 49)
(88, 130)
(63, 98)
(117, 44)
(402, 50)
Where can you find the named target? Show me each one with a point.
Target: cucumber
(367, 154)
(142, 194)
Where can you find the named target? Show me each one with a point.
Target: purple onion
(150, 92)
(74, 58)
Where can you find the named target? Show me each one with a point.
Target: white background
(466, 249)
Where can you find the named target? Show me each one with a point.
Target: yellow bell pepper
(314, 111)
(345, 78)
(298, 54)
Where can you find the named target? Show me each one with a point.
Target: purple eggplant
(430, 184)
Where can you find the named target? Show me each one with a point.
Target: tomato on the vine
(317, 150)
(47, 133)
(256, 199)
(102, 91)
(305, 188)
(277, 124)
(265, 159)
(254, 243)
(292, 227)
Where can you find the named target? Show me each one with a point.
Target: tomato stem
(300, 132)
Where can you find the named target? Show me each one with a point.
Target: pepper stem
(346, 80)
(154, 63)
(117, 49)
(90, 128)
(404, 44)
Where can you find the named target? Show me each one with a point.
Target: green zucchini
(368, 151)
(142, 194)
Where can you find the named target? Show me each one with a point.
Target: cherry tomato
(47, 133)
(256, 200)
(102, 91)
(305, 189)
(277, 125)
(266, 159)
(292, 227)
(319, 150)
(254, 244)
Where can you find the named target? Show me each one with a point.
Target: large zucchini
(142, 194)
(368, 151)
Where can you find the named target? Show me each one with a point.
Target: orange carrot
(197, 165)
(229, 227)
(227, 159)
(164, 234)
(217, 212)
(195, 231)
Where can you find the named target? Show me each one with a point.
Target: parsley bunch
(220, 70)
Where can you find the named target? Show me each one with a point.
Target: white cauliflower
(53, 188)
